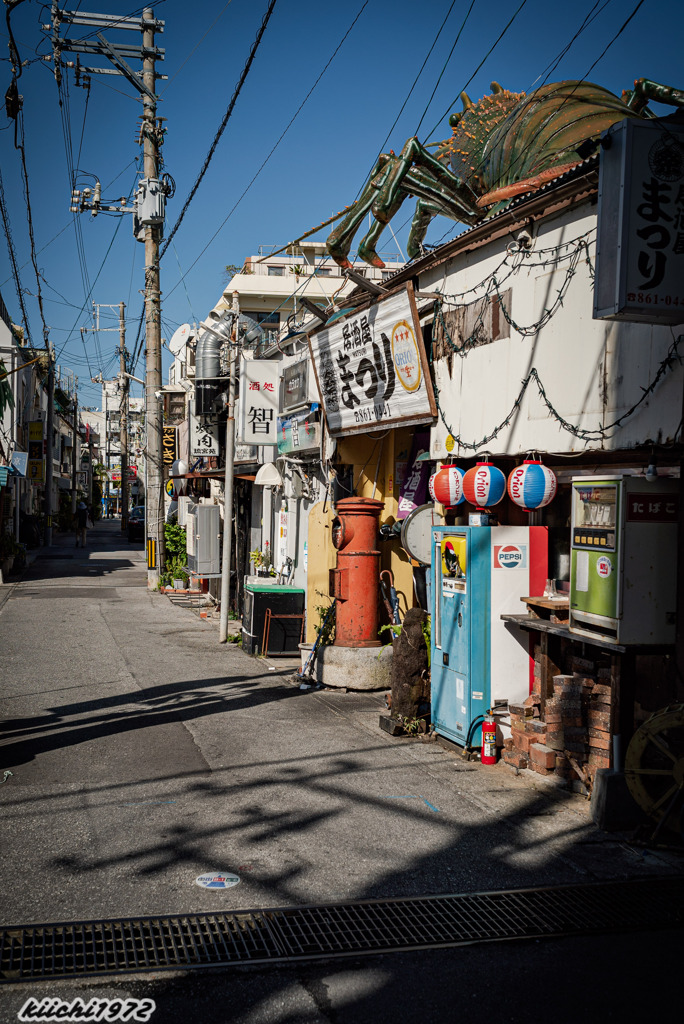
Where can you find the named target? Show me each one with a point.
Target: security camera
(524, 240)
(158, 394)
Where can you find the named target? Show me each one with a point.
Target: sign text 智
(258, 401)
(371, 368)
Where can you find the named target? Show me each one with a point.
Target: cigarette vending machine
(623, 572)
(478, 574)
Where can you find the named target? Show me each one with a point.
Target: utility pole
(123, 418)
(75, 444)
(148, 214)
(155, 494)
(228, 480)
(49, 427)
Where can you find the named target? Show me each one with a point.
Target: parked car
(136, 523)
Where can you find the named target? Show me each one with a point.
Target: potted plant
(261, 560)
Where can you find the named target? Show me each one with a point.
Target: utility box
(284, 634)
(203, 529)
(623, 569)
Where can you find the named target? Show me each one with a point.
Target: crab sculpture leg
(414, 172)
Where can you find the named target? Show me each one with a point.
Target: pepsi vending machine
(480, 573)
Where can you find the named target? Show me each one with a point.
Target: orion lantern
(532, 485)
(446, 486)
(484, 485)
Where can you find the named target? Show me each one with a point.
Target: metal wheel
(654, 767)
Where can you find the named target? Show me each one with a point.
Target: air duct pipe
(208, 383)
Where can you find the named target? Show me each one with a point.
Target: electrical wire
(444, 67)
(272, 151)
(222, 126)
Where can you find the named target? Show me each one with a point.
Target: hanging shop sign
(36, 452)
(446, 486)
(296, 385)
(299, 432)
(413, 490)
(371, 368)
(169, 446)
(258, 421)
(639, 250)
(20, 463)
(204, 435)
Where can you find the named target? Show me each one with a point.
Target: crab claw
(370, 256)
(467, 102)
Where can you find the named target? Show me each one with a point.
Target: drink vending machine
(478, 574)
(623, 570)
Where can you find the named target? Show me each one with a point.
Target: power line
(270, 154)
(444, 66)
(222, 127)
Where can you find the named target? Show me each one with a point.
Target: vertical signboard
(371, 368)
(169, 446)
(640, 241)
(204, 439)
(36, 452)
(258, 422)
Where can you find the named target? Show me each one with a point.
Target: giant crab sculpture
(504, 145)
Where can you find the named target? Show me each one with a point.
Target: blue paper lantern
(532, 485)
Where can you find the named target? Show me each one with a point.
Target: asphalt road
(144, 753)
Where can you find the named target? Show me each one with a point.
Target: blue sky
(317, 168)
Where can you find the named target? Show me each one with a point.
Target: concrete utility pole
(123, 418)
(148, 210)
(228, 481)
(74, 449)
(49, 428)
(153, 413)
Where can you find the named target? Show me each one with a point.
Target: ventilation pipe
(208, 382)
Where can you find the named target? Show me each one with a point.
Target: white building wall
(592, 371)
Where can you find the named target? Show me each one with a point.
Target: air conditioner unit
(184, 505)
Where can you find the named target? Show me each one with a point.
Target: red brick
(596, 719)
(514, 759)
(602, 690)
(572, 721)
(555, 740)
(535, 728)
(600, 742)
(540, 769)
(598, 733)
(561, 683)
(508, 743)
(599, 761)
(574, 732)
(543, 755)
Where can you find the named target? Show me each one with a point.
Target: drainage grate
(36, 952)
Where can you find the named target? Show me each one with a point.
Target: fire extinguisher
(488, 755)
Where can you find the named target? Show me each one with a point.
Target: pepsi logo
(509, 556)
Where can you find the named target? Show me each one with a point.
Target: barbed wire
(599, 434)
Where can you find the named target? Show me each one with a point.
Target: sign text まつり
(371, 368)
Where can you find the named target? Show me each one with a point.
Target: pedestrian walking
(82, 516)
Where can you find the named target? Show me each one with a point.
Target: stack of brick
(598, 722)
(573, 740)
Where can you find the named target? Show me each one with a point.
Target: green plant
(411, 726)
(262, 559)
(328, 634)
(174, 569)
(176, 540)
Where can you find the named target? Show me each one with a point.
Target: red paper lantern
(446, 486)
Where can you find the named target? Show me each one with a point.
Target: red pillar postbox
(355, 581)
